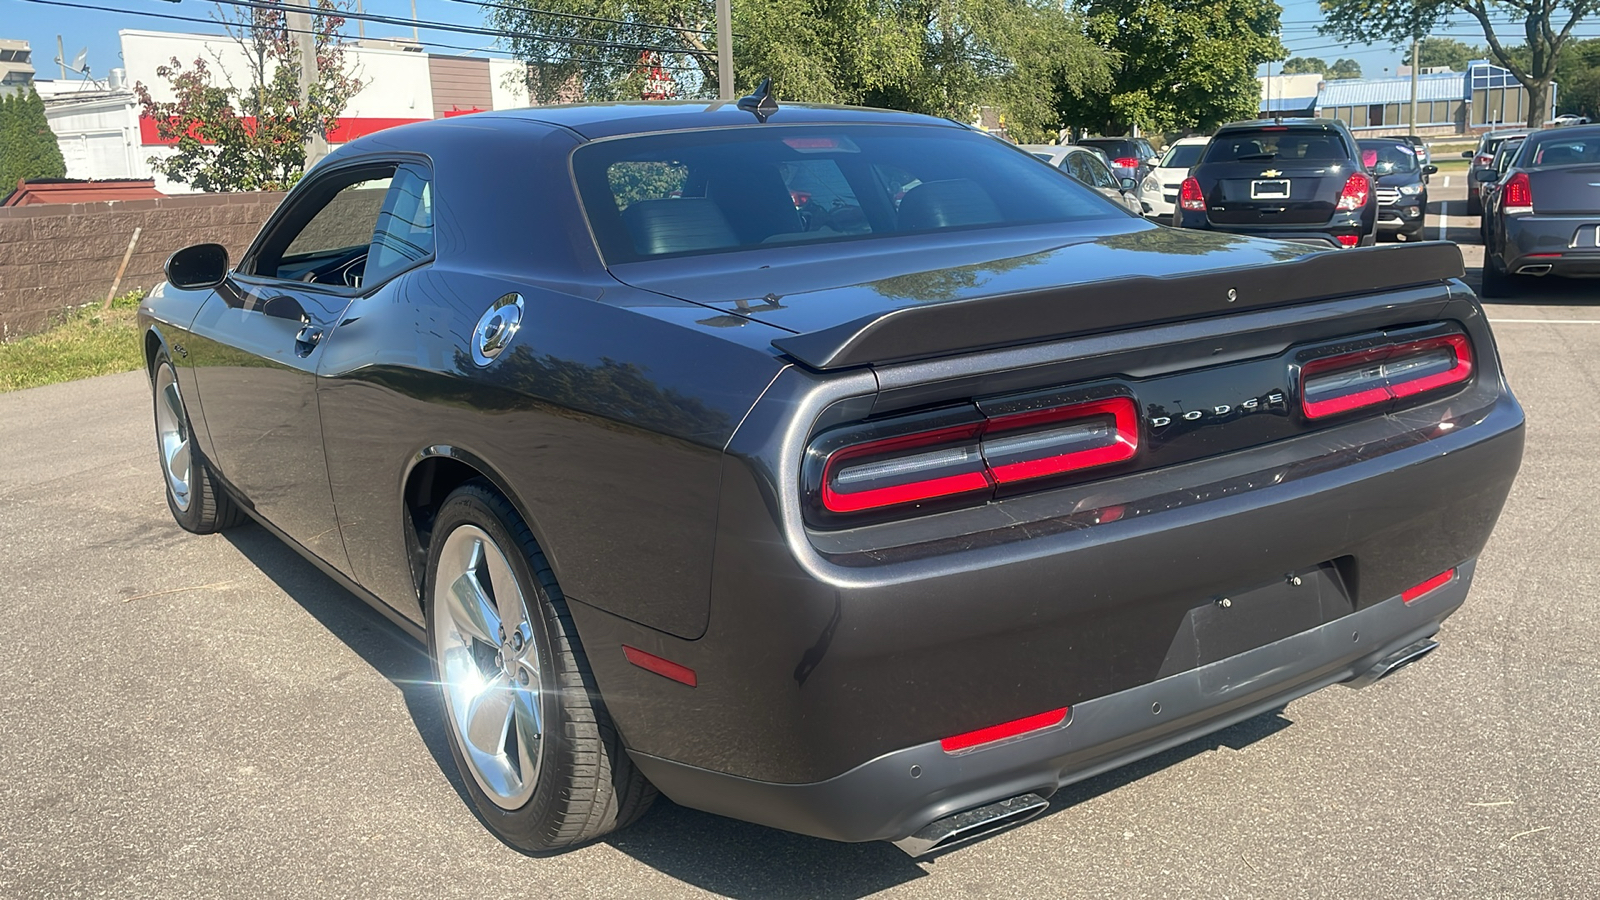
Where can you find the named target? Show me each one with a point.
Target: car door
(256, 350)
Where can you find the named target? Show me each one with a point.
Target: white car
(1089, 166)
(1569, 119)
(1158, 193)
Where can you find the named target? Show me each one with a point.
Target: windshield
(1183, 156)
(1387, 158)
(1277, 144)
(697, 192)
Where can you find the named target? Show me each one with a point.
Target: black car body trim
(897, 793)
(942, 328)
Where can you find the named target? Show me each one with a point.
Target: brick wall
(61, 255)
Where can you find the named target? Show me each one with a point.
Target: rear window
(1183, 156)
(1271, 145)
(1387, 158)
(1561, 151)
(690, 193)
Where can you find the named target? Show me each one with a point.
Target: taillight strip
(1369, 377)
(1082, 445)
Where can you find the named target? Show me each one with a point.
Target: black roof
(1301, 122)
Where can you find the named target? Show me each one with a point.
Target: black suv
(1131, 157)
(1291, 179)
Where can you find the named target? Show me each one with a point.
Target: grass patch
(88, 341)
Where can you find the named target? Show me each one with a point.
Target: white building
(102, 134)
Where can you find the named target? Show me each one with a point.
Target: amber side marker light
(1432, 584)
(1004, 730)
(666, 668)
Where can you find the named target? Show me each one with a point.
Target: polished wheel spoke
(178, 463)
(507, 597)
(475, 613)
(489, 717)
(172, 433)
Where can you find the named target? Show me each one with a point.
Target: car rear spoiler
(940, 329)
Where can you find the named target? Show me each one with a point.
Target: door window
(1095, 171)
(326, 235)
(404, 233)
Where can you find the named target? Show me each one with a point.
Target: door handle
(307, 339)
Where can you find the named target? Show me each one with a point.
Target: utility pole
(725, 49)
(61, 57)
(414, 38)
(1416, 69)
(361, 24)
(298, 18)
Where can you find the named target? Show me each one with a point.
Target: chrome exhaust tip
(1393, 663)
(972, 824)
(1534, 269)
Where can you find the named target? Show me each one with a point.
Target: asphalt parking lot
(210, 716)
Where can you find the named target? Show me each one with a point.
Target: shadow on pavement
(1546, 291)
(389, 651)
(724, 856)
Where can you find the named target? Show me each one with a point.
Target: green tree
(1579, 79)
(1344, 68)
(28, 147)
(1181, 64)
(250, 136)
(945, 57)
(1547, 27)
(1304, 65)
(1439, 51)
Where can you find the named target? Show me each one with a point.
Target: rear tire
(197, 501)
(1497, 283)
(1474, 202)
(538, 752)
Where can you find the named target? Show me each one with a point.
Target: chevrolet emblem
(1271, 173)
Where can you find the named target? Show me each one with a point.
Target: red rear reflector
(1349, 381)
(1357, 188)
(1126, 162)
(666, 668)
(1004, 730)
(1347, 240)
(1190, 197)
(1518, 195)
(1434, 583)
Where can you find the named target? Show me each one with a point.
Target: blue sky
(96, 29)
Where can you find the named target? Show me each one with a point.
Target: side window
(325, 237)
(404, 234)
(1077, 169)
(1099, 175)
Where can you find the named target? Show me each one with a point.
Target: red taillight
(1518, 194)
(1347, 240)
(1357, 189)
(666, 668)
(1005, 449)
(1349, 381)
(1126, 162)
(1004, 730)
(1190, 196)
(1432, 584)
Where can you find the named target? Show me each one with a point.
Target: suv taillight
(945, 454)
(1518, 195)
(1357, 189)
(1349, 381)
(1126, 162)
(1190, 197)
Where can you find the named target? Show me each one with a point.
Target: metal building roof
(1366, 91)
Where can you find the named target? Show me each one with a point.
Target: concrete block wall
(61, 255)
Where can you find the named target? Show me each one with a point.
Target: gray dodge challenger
(845, 471)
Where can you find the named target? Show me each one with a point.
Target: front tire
(197, 502)
(541, 759)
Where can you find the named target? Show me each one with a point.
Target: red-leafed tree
(247, 130)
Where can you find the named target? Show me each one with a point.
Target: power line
(179, 18)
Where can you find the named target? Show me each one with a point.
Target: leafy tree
(1579, 78)
(1440, 51)
(28, 147)
(1344, 68)
(1304, 65)
(1182, 64)
(250, 136)
(945, 57)
(1547, 25)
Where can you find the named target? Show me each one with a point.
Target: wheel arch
(154, 344)
(435, 472)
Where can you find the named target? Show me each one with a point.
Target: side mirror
(1466, 154)
(1486, 176)
(198, 267)
(1430, 170)
(1128, 184)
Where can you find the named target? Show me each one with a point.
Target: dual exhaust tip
(1534, 269)
(973, 824)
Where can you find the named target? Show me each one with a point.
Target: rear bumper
(1359, 224)
(900, 792)
(1568, 245)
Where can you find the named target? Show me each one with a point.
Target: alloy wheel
(172, 431)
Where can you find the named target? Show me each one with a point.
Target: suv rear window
(698, 192)
(1121, 148)
(1275, 145)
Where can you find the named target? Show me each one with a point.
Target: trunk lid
(1248, 193)
(1566, 190)
(899, 299)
